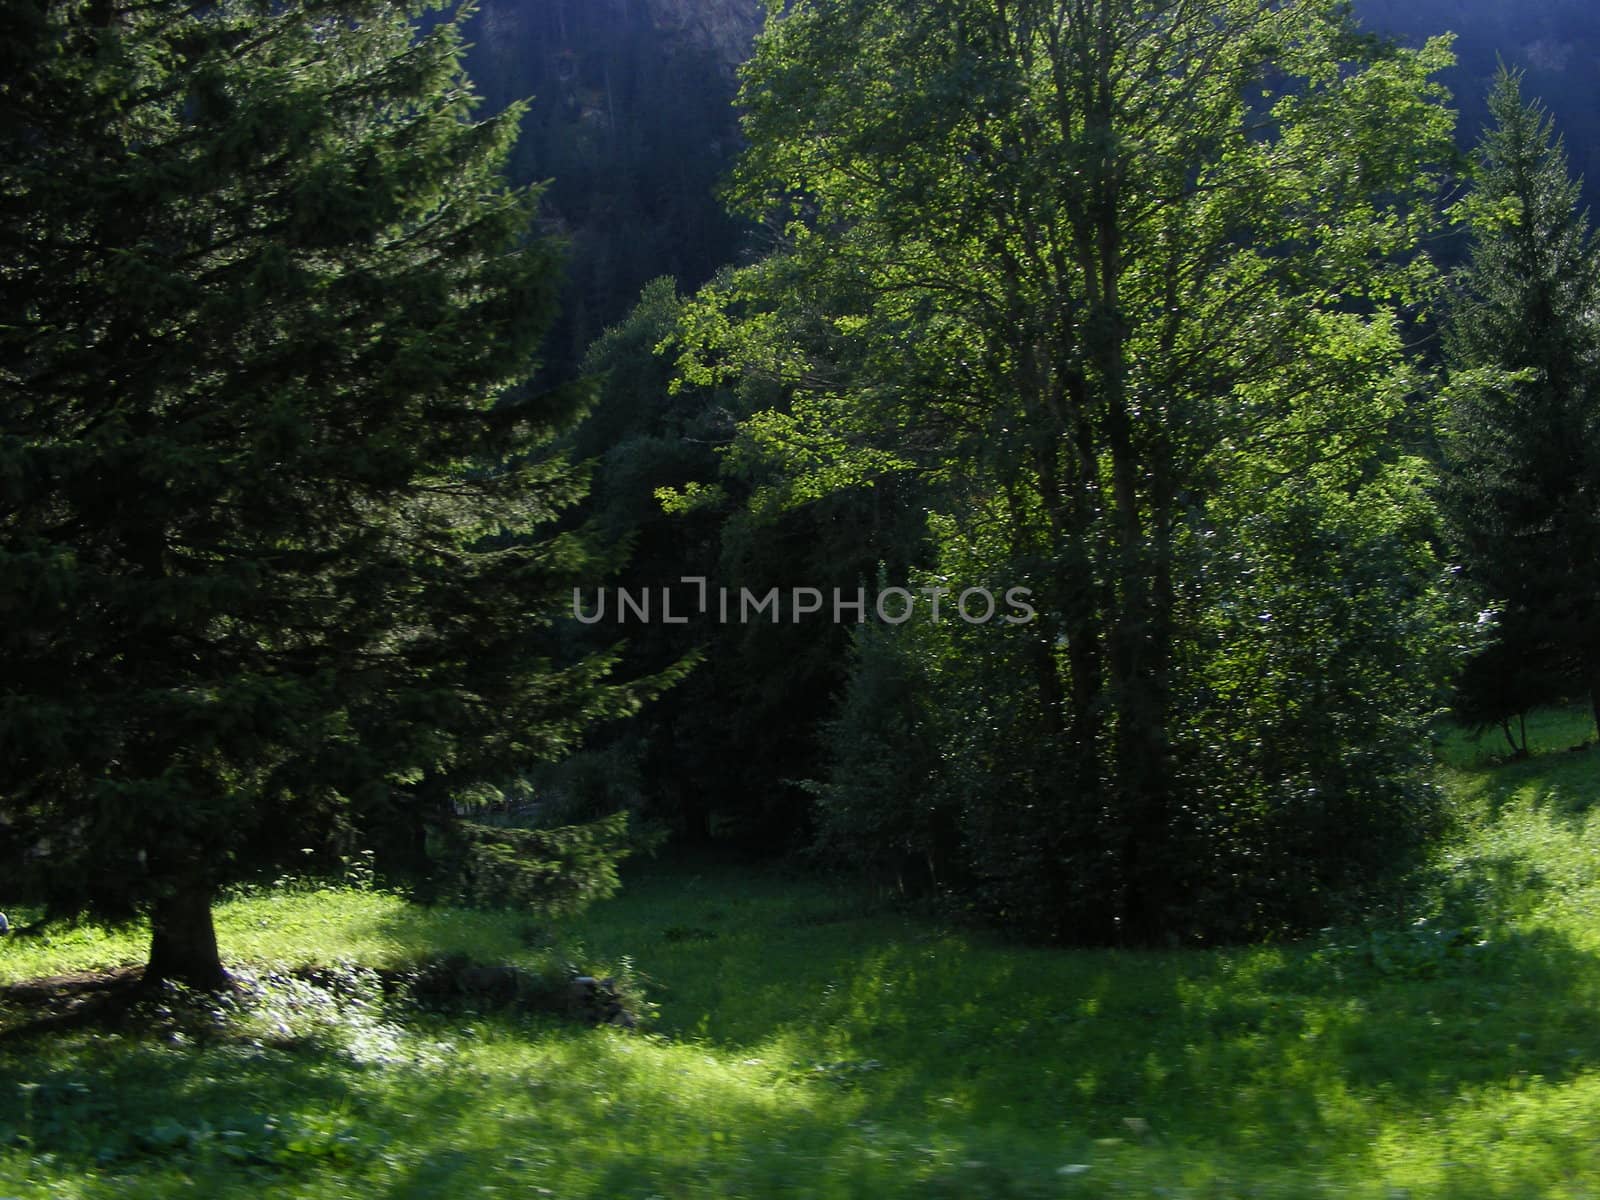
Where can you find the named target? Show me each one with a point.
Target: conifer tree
(1523, 485)
(271, 482)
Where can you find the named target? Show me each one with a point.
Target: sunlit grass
(300, 927)
(1549, 731)
(811, 1044)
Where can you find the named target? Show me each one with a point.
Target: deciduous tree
(1128, 280)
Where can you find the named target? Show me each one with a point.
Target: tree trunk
(183, 941)
(1594, 698)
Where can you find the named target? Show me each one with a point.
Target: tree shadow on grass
(1268, 1051)
(885, 1055)
(127, 1105)
(1282, 1051)
(559, 1112)
(38, 1008)
(1562, 783)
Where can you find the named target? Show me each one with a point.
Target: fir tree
(1523, 481)
(271, 478)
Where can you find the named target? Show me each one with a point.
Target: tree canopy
(1125, 283)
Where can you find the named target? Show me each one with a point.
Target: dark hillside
(633, 123)
(1555, 42)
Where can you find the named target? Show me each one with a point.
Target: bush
(553, 872)
(1311, 649)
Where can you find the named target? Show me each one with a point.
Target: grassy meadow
(809, 1042)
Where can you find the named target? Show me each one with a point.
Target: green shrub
(553, 872)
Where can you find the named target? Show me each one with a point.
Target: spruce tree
(275, 564)
(1523, 481)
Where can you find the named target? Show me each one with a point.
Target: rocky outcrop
(632, 121)
(725, 27)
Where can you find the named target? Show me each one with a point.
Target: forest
(844, 598)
